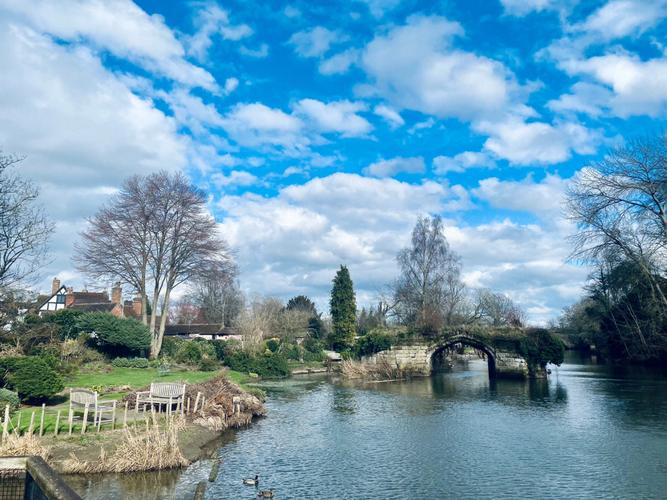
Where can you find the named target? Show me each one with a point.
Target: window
(60, 298)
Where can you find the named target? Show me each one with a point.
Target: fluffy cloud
(256, 124)
(211, 21)
(378, 8)
(524, 7)
(314, 42)
(120, 27)
(297, 239)
(390, 115)
(620, 18)
(234, 178)
(337, 116)
(339, 63)
(389, 168)
(461, 162)
(81, 127)
(525, 143)
(415, 66)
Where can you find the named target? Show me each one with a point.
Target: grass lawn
(135, 377)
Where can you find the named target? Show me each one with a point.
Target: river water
(587, 432)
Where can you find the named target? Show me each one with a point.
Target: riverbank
(142, 441)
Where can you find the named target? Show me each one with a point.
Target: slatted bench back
(167, 389)
(80, 397)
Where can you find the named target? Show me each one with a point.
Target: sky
(322, 130)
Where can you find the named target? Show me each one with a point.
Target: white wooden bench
(162, 393)
(80, 398)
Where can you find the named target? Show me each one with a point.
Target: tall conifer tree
(343, 311)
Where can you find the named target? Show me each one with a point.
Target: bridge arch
(465, 340)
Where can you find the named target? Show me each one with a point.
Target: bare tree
(429, 288)
(496, 309)
(218, 296)
(620, 207)
(156, 235)
(24, 227)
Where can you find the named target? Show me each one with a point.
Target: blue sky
(323, 130)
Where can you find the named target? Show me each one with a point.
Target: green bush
(10, 398)
(272, 345)
(371, 343)
(66, 321)
(130, 363)
(115, 335)
(209, 365)
(34, 379)
(170, 345)
(190, 353)
(264, 365)
(293, 352)
(224, 348)
(541, 347)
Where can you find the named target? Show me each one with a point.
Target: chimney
(69, 297)
(136, 306)
(55, 286)
(117, 294)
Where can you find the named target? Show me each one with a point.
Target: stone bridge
(505, 351)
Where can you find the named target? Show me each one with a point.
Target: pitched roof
(90, 297)
(93, 306)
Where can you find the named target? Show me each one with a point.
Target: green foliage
(224, 348)
(301, 303)
(170, 346)
(189, 353)
(541, 347)
(130, 363)
(293, 352)
(10, 398)
(115, 335)
(208, 365)
(272, 345)
(372, 342)
(66, 321)
(343, 311)
(33, 379)
(316, 327)
(264, 365)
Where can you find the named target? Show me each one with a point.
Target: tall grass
(378, 370)
(153, 447)
(15, 445)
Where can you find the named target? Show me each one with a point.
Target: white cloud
(587, 98)
(296, 240)
(256, 124)
(339, 63)
(234, 178)
(314, 42)
(211, 21)
(389, 168)
(620, 18)
(523, 7)
(379, 8)
(414, 66)
(337, 116)
(392, 116)
(526, 143)
(461, 162)
(259, 53)
(231, 85)
(81, 128)
(120, 27)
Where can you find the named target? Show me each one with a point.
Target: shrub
(272, 345)
(33, 378)
(112, 335)
(189, 353)
(130, 363)
(264, 365)
(10, 398)
(541, 347)
(373, 342)
(208, 365)
(224, 348)
(66, 321)
(293, 352)
(170, 345)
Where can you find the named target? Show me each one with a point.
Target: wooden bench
(162, 393)
(80, 398)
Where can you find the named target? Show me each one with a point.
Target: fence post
(85, 419)
(32, 423)
(41, 420)
(187, 410)
(55, 432)
(70, 420)
(125, 416)
(5, 423)
(113, 416)
(196, 401)
(18, 425)
(169, 408)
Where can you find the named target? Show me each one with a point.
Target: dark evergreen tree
(301, 303)
(343, 311)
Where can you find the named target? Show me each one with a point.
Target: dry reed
(379, 370)
(14, 445)
(141, 449)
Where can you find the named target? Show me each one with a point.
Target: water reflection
(587, 432)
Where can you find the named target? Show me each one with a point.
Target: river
(588, 432)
